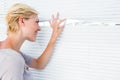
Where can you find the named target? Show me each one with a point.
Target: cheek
(35, 26)
(29, 29)
(31, 26)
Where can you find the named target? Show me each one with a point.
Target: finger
(50, 22)
(53, 20)
(62, 25)
(62, 21)
(57, 16)
(53, 17)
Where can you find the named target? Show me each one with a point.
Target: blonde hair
(16, 11)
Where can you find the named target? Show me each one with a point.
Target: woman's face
(31, 28)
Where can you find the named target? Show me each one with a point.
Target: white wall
(87, 49)
(78, 9)
(84, 51)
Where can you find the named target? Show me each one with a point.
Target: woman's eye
(37, 21)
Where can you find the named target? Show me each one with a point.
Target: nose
(39, 28)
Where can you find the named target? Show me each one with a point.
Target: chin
(32, 40)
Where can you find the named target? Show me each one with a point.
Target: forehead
(34, 17)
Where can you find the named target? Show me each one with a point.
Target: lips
(36, 33)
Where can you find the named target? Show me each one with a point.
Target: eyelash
(37, 21)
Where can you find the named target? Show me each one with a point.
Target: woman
(22, 21)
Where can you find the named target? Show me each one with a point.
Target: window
(87, 49)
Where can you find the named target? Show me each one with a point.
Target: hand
(55, 23)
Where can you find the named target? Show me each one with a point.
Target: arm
(42, 60)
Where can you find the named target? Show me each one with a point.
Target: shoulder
(12, 65)
(10, 57)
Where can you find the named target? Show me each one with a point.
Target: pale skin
(28, 31)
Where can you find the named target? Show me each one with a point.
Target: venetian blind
(88, 47)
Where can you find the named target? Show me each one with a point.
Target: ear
(20, 21)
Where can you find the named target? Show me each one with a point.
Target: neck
(13, 41)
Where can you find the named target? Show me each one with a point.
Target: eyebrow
(37, 20)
